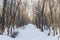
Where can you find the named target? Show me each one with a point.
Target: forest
(39, 12)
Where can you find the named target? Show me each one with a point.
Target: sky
(30, 3)
(1, 2)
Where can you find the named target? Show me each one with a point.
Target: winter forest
(29, 19)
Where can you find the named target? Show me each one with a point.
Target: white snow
(30, 32)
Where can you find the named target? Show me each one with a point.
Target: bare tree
(39, 9)
(3, 14)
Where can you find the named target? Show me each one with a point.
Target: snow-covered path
(30, 32)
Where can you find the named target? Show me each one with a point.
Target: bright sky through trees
(1, 3)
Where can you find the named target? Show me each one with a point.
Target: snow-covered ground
(30, 32)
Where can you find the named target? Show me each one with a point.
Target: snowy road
(30, 32)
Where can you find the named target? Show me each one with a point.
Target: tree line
(45, 12)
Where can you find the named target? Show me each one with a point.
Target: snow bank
(30, 32)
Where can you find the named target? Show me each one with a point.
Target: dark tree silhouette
(3, 13)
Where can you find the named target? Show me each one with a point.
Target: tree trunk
(3, 14)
